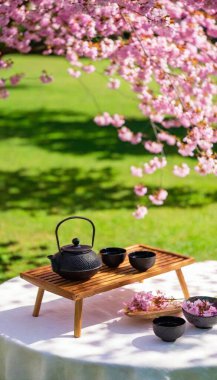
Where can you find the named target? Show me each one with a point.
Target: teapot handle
(73, 217)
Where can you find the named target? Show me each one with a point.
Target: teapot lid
(76, 247)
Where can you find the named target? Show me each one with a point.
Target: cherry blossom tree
(170, 42)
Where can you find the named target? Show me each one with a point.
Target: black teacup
(142, 260)
(113, 257)
(169, 328)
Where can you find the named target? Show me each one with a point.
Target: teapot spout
(53, 262)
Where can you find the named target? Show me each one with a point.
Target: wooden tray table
(105, 279)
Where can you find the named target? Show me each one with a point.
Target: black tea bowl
(113, 257)
(169, 328)
(200, 321)
(142, 260)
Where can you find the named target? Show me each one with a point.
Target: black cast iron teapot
(75, 261)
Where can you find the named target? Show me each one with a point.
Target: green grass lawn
(55, 162)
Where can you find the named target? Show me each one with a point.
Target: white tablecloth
(112, 346)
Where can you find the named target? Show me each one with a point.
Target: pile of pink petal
(200, 307)
(149, 301)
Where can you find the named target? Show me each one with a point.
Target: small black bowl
(200, 321)
(169, 328)
(142, 260)
(113, 257)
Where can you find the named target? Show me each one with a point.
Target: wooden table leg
(182, 283)
(78, 318)
(38, 302)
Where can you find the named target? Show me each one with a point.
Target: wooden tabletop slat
(160, 260)
(101, 282)
(106, 278)
(110, 274)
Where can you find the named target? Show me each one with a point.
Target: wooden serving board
(106, 279)
(153, 314)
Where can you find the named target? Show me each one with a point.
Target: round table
(112, 346)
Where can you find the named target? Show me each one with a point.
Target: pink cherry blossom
(181, 171)
(140, 212)
(206, 165)
(103, 120)
(154, 164)
(2, 83)
(169, 42)
(136, 138)
(3, 93)
(106, 119)
(117, 120)
(214, 138)
(159, 162)
(159, 197)
(89, 69)
(45, 78)
(15, 79)
(186, 149)
(136, 172)
(173, 123)
(200, 307)
(205, 145)
(140, 190)
(150, 301)
(153, 147)
(169, 139)
(149, 168)
(74, 73)
(6, 63)
(125, 134)
(114, 83)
